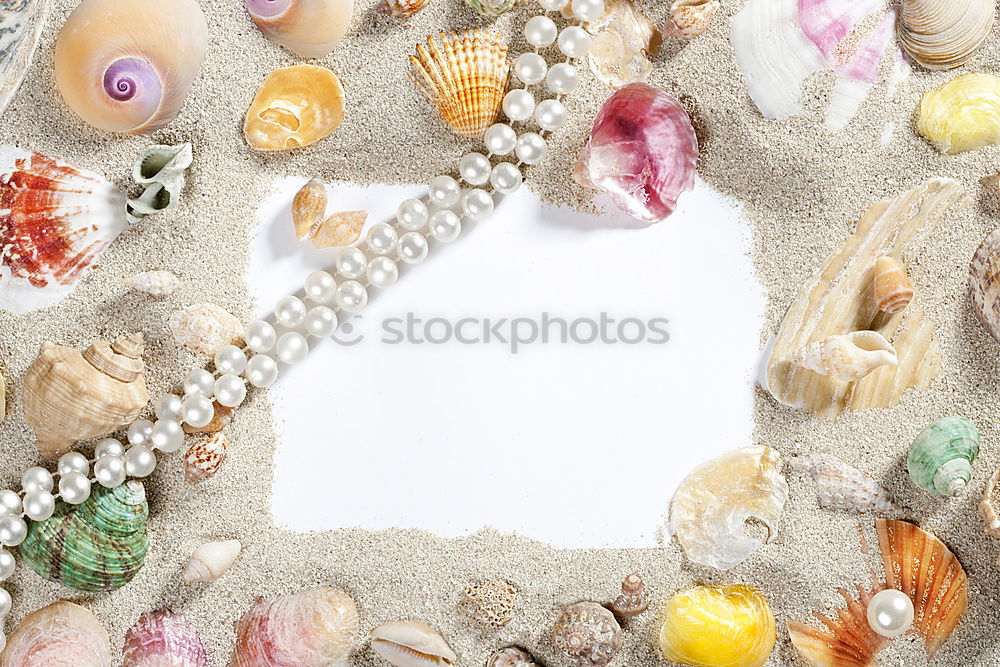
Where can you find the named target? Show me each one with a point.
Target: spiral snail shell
(941, 456)
(127, 65)
(307, 28)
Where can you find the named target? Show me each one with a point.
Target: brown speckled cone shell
(204, 458)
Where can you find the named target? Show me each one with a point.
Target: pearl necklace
(284, 337)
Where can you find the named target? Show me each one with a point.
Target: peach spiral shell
(307, 28)
(127, 65)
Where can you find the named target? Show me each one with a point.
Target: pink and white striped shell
(307, 28)
(317, 627)
(55, 222)
(642, 151)
(204, 458)
(162, 638)
(127, 65)
(62, 634)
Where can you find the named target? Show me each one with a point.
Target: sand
(803, 189)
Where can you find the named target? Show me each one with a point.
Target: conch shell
(56, 221)
(716, 499)
(691, 18)
(160, 170)
(402, 8)
(211, 560)
(307, 28)
(71, 395)
(588, 633)
(61, 634)
(941, 456)
(126, 66)
(943, 34)
(984, 283)
(840, 486)
(21, 23)
(963, 114)
(633, 599)
(893, 290)
(311, 224)
(624, 41)
(412, 644)
(464, 75)
(294, 107)
(718, 626)
(162, 638)
(849, 357)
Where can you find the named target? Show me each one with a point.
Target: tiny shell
(155, 283)
(162, 638)
(849, 357)
(205, 457)
(402, 8)
(340, 229)
(984, 283)
(633, 599)
(309, 207)
(962, 115)
(211, 560)
(206, 328)
(941, 456)
(412, 644)
(691, 18)
(307, 28)
(62, 634)
(944, 34)
(893, 290)
(624, 42)
(840, 486)
(491, 604)
(294, 107)
(588, 633)
(512, 656)
(160, 170)
(988, 509)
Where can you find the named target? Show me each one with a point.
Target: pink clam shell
(62, 634)
(642, 151)
(162, 638)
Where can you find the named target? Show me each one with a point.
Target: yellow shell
(309, 207)
(465, 76)
(963, 114)
(943, 34)
(718, 626)
(892, 288)
(294, 107)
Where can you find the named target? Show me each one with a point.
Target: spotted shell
(162, 638)
(204, 458)
(691, 18)
(512, 656)
(402, 8)
(491, 604)
(633, 599)
(588, 633)
(61, 634)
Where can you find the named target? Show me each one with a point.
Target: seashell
(126, 66)
(160, 169)
(61, 634)
(3, 399)
(718, 626)
(309, 207)
(633, 599)
(849, 357)
(58, 219)
(588, 633)
(162, 638)
(839, 298)
(642, 151)
(211, 560)
(464, 75)
(223, 415)
(624, 40)
(69, 395)
(402, 8)
(204, 458)
(97, 546)
(857, 76)
(691, 18)
(987, 508)
(311, 223)
(892, 288)
(205, 328)
(155, 283)
(512, 656)
(21, 23)
(491, 605)
(411, 644)
(962, 115)
(940, 34)
(339, 230)
(840, 486)
(294, 107)
(317, 627)
(849, 639)
(307, 28)
(716, 499)
(490, 8)
(984, 285)
(941, 456)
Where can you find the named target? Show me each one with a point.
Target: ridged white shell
(21, 23)
(944, 34)
(840, 486)
(412, 644)
(156, 283)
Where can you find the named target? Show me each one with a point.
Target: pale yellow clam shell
(962, 115)
(944, 34)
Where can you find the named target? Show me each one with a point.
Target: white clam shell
(211, 560)
(412, 644)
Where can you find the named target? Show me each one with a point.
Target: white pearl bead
(139, 461)
(890, 613)
(588, 10)
(530, 148)
(73, 462)
(474, 169)
(351, 263)
(574, 41)
(7, 564)
(230, 390)
(200, 381)
(168, 408)
(382, 238)
(262, 371)
(10, 502)
(540, 31)
(412, 247)
(550, 114)
(291, 348)
(500, 139)
(112, 447)
(260, 338)
(351, 295)
(552, 5)
(321, 322)
(530, 68)
(412, 214)
(109, 471)
(477, 204)
(197, 410)
(444, 191)
(506, 178)
(230, 359)
(5, 602)
(562, 78)
(319, 287)
(74, 488)
(382, 272)
(445, 226)
(168, 436)
(290, 312)
(140, 431)
(518, 104)
(13, 530)
(37, 479)
(39, 505)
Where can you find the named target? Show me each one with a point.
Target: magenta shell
(162, 638)
(642, 151)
